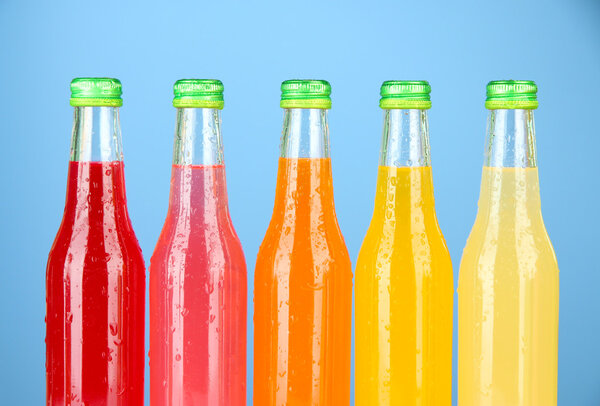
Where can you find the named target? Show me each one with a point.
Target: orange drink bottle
(303, 274)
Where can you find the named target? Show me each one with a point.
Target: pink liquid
(95, 291)
(198, 297)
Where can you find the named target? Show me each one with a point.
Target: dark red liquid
(95, 291)
(198, 297)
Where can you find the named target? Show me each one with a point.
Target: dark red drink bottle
(95, 282)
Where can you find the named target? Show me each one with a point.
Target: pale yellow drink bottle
(404, 274)
(508, 280)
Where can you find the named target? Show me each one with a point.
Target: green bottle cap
(511, 94)
(305, 94)
(405, 94)
(199, 93)
(96, 92)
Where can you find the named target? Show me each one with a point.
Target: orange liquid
(303, 294)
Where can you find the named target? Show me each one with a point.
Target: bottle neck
(198, 189)
(96, 186)
(305, 134)
(198, 137)
(509, 185)
(404, 175)
(510, 139)
(96, 135)
(304, 183)
(405, 139)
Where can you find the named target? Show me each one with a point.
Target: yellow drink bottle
(404, 282)
(508, 281)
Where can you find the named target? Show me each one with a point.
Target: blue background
(252, 46)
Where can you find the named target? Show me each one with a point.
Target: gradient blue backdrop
(252, 46)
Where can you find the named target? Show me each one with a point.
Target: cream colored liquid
(508, 298)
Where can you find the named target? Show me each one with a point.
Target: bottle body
(508, 298)
(303, 279)
(303, 295)
(198, 282)
(508, 283)
(404, 283)
(95, 282)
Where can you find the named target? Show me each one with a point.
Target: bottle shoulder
(76, 251)
(308, 232)
(521, 248)
(399, 232)
(508, 228)
(96, 232)
(304, 247)
(407, 252)
(191, 242)
(186, 225)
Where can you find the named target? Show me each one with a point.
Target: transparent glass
(511, 139)
(198, 278)
(303, 278)
(198, 137)
(405, 138)
(404, 281)
(96, 134)
(305, 134)
(508, 280)
(95, 278)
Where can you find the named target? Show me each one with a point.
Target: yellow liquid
(508, 298)
(404, 290)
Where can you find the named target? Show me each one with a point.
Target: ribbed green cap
(305, 94)
(96, 92)
(207, 93)
(405, 94)
(511, 94)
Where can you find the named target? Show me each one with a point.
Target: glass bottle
(95, 281)
(404, 282)
(508, 282)
(303, 275)
(198, 271)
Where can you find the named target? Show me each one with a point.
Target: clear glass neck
(305, 134)
(405, 138)
(96, 135)
(198, 137)
(510, 139)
